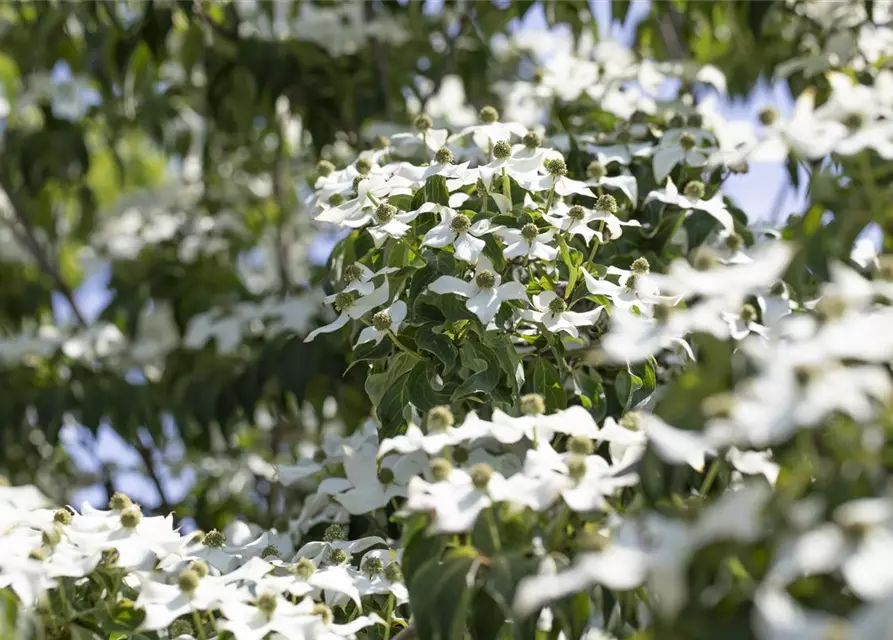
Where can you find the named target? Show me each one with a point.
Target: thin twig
(27, 236)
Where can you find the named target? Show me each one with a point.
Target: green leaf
(377, 384)
(422, 389)
(485, 370)
(440, 595)
(547, 382)
(437, 344)
(572, 614)
(625, 385)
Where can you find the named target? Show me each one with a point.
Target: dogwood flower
(692, 198)
(384, 322)
(456, 501)
(681, 146)
(552, 312)
(359, 211)
(389, 223)
(351, 306)
(528, 242)
(485, 292)
(456, 229)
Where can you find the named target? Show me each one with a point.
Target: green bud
(303, 568)
(480, 476)
(363, 166)
(62, 516)
(443, 156)
(460, 455)
(704, 259)
(131, 516)
(373, 566)
(214, 539)
(556, 166)
(502, 150)
(662, 312)
(266, 603)
(199, 566)
(38, 554)
(488, 115)
(695, 120)
(382, 321)
(532, 140)
(423, 123)
(687, 141)
(580, 446)
(385, 475)
(440, 418)
(557, 306)
(576, 467)
(748, 313)
(529, 232)
(694, 189)
(480, 189)
(325, 168)
(640, 266)
(321, 610)
(607, 203)
(271, 550)
(485, 279)
(334, 532)
(394, 572)
(110, 557)
(180, 628)
(854, 121)
(596, 170)
(734, 242)
(460, 223)
(533, 404)
(440, 469)
(677, 121)
(188, 581)
(336, 199)
(576, 212)
(119, 501)
(381, 143)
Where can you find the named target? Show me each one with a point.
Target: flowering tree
(423, 325)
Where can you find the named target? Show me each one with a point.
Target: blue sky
(755, 192)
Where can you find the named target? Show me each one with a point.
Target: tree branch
(22, 228)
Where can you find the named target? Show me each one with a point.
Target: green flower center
(333, 533)
(62, 516)
(532, 140)
(640, 266)
(443, 156)
(533, 404)
(480, 476)
(394, 572)
(687, 141)
(337, 556)
(336, 199)
(271, 550)
(373, 566)
(631, 421)
(485, 280)
(199, 566)
(321, 610)
(385, 475)
(480, 188)
(854, 121)
(502, 150)
(345, 300)
(440, 469)
(266, 603)
(596, 170)
(119, 501)
(748, 313)
(353, 272)
(303, 568)
(423, 123)
(131, 517)
(606, 203)
(384, 213)
(188, 581)
(440, 418)
(694, 189)
(576, 467)
(529, 232)
(488, 115)
(734, 242)
(364, 166)
(557, 306)
(382, 321)
(325, 168)
(576, 212)
(460, 223)
(580, 446)
(556, 167)
(214, 539)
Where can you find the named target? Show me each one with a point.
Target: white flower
(384, 322)
(247, 622)
(674, 445)
(552, 312)
(164, 603)
(528, 242)
(351, 307)
(576, 220)
(389, 223)
(371, 191)
(485, 292)
(714, 206)
(457, 501)
(633, 291)
(409, 143)
(456, 229)
(681, 146)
